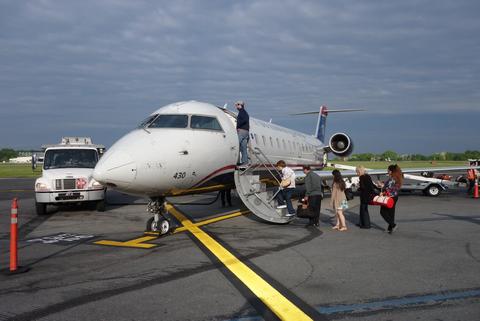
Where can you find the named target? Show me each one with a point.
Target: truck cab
(67, 175)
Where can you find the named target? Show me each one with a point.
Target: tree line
(7, 153)
(390, 155)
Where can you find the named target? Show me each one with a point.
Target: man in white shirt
(287, 188)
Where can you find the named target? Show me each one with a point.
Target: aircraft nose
(116, 168)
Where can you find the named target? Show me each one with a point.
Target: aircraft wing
(326, 174)
(419, 170)
(349, 171)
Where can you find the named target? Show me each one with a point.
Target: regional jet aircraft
(192, 147)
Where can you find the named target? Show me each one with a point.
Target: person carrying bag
(367, 193)
(390, 189)
(287, 187)
(313, 196)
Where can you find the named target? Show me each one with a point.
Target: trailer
(429, 186)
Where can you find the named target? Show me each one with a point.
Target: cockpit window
(204, 122)
(170, 121)
(147, 121)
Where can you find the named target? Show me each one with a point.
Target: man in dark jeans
(226, 193)
(313, 194)
(243, 127)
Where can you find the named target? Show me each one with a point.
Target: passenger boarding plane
(192, 147)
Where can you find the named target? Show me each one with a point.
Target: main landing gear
(159, 222)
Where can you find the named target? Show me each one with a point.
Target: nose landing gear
(159, 222)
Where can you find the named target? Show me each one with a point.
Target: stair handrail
(262, 162)
(269, 162)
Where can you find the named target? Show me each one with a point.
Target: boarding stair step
(254, 193)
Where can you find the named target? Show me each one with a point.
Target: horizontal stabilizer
(329, 111)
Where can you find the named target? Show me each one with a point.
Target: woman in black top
(367, 192)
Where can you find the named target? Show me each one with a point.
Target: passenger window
(271, 141)
(256, 139)
(264, 141)
(278, 143)
(205, 122)
(170, 121)
(284, 145)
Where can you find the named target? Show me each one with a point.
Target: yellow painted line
(205, 222)
(273, 299)
(16, 190)
(220, 218)
(138, 242)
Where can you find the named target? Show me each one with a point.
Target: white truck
(67, 175)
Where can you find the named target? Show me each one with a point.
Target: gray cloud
(91, 63)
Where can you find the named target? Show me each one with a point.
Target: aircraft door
(184, 172)
(230, 141)
(214, 147)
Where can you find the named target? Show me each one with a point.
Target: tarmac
(225, 264)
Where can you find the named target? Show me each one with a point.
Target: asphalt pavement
(427, 270)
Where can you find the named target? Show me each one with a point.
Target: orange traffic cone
(13, 236)
(14, 268)
(475, 189)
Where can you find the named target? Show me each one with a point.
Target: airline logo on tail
(321, 124)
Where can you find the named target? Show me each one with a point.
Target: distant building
(21, 160)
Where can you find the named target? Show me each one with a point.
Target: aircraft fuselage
(194, 148)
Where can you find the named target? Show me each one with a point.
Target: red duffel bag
(386, 201)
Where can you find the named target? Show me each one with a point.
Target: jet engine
(340, 144)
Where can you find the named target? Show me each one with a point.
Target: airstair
(252, 184)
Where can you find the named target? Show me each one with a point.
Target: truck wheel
(100, 206)
(41, 208)
(433, 190)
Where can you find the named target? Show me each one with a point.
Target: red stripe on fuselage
(229, 167)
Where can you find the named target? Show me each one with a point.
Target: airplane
(192, 147)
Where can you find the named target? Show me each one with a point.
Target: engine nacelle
(340, 144)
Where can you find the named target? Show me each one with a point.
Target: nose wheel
(159, 222)
(162, 226)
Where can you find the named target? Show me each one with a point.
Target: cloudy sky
(97, 68)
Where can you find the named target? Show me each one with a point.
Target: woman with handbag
(367, 192)
(338, 200)
(390, 188)
(287, 187)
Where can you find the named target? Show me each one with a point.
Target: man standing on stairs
(243, 128)
(287, 187)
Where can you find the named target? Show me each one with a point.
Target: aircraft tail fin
(321, 123)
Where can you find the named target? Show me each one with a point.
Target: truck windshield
(70, 158)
